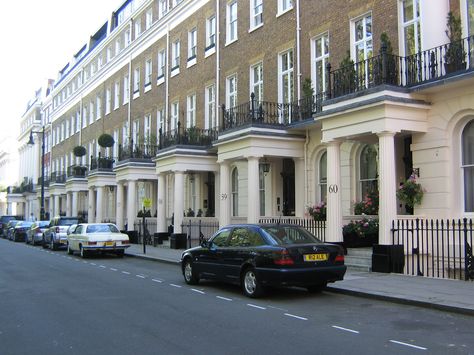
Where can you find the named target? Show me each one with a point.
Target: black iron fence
(436, 248)
(199, 230)
(317, 228)
(137, 151)
(77, 171)
(191, 136)
(101, 163)
(145, 230)
(58, 177)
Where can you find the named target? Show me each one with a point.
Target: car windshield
(68, 221)
(287, 235)
(102, 228)
(43, 223)
(24, 224)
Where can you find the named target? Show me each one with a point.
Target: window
(127, 38)
(160, 122)
(363, 47)
(323, 176)
(368, 170)
(108, 100)
(136, 132)
(98, 107)
(285, 83)
(284, 6)
(231, 91)
(174, 115)
(191, 111)
(235, 192)
(231, 22)
(210, 110)
(91, 112)
(125, 141)
(138, 29)
(220, 240)
(256, 13)
(118, 46)
(115, 149)
(256, 82)
(148, 70)
(78, 121)
(175, 55)
(147, 129)
(109, 54)
(245, 237)
(126, 89)
(84, 116)
(136, 81)
(148, 19)
(411, 26)
(116, 95)
(210, 32)
(162, 8)
(192, 46)
(320, 60)
(161, 65)
(467, 166)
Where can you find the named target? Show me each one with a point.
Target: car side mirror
(207, 244)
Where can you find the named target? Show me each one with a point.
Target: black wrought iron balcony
(192, 136)
(137, 151)
(58, 177)
(46, 181)
(101, 163)
(77, 171)
(262, 113)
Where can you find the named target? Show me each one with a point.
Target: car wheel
(43, 243)
(120, 253)
(251, 284)
(84, 253)
(190, 276)
(52, 246)
(316, 288)
(69, 250)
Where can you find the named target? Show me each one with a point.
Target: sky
(39, 37)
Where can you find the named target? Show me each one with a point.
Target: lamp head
(31, 141)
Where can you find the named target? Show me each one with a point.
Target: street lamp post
(31, 142)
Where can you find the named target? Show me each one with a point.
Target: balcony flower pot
(454, 58)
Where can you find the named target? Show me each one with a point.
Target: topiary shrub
(79, 151)
(106, 140)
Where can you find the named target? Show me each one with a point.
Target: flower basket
(318, 212)
(410, 192)
(361, 233)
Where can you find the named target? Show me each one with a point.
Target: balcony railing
(137, 151)
(77, 171)
(58, 177)
(46, 181)
(101, 163)
(192, 136)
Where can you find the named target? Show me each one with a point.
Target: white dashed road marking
(102, 266)
(410, 345)
(177, 286)
(198, 291)
(156, 280)
(224, 298)
(141, 276)
(93, 264)
(293, 316)
(346, 329)
(255, 306)
(125, 272)
(113, 269)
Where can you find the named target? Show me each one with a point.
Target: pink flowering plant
(369, 205)
(410, 192)
(318, 212)
(362, 227)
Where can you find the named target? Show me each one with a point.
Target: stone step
(359, 259)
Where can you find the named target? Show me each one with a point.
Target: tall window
(411, 26)
(161, 64)
(256, 81)
(125, 140)
(136, 80)
(256, 13)
(116, 95)
(468, 166)
(363, 38)
(115, 146)
(323, 176)
(127, 38)
(174, 115)
(148, 19)
(284, 5)
(175, 54)
(192, 44)
(126, 89)
(368, 170)
(109, 53)
(108, 100)
(147, 129)
(232, 21)
(136, 132)
(211, 32)
(286, 77)
(191, 111)
(148, 69)
(231, 91)
(162, 8)
(235, 192)
(98, 107)
(210, 113)
(78, 121)
(320, 60)
(138, 29)
(160, 122)
(91, 112)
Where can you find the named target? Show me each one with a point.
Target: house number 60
(333, 189)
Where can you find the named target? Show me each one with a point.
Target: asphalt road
(51, 303)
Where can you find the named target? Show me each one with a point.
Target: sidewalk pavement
(442, 294)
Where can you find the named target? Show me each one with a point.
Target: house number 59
(223, 196)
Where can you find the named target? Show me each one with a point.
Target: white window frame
(147, 131)
(256, 82)
(91, 112)
(415, 22)
(256, 14)
(116, 95)
(127, 38)
(210, 107)
(136, 82)
(161, 66)
(126, 89)
(78, 121)
(108, 100)
(231, 22)
(136, 132)
(210, 36)
(162, 8)
(192, 47)
(138, 28)
(148, 74)
(148, 19)
(174, 117)
(283, 73)
(175, 54)
(319, 57)
(191, 111)
(98, 109)
(231, 91)
(284, 6)
(160, 122)
(366, 41)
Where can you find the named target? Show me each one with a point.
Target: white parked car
(87, 238)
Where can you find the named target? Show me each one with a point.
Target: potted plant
(345, 77)
(79, 151)
(410, 192)
(361, 233)
(369, 205)
(106, 140)
(318, 212)
(454, 58)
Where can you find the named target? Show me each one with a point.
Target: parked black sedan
(256, 256)
(20, 230)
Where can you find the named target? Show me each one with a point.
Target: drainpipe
(129, 113)
(216, 108)
(298, 50)
(167, 75)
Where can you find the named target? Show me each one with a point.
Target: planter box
(355, 241)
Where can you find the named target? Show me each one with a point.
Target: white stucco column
(299, 187)
(68, 204)
(334, 203)
(224, 194)
(120, 206)
(131, 204)
(161, 205)
(100, 204)
(217, 188)
(253, 200)
(178, 201)
(387, 186)
(57, 205)
(75, 203)
(91, 206)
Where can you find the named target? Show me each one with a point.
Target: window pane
(468, 144)
(408, 10)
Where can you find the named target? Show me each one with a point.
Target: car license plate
(316, 257)
(109, 244)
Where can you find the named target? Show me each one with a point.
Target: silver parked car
(35, 234)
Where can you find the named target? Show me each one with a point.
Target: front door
(288, 175)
